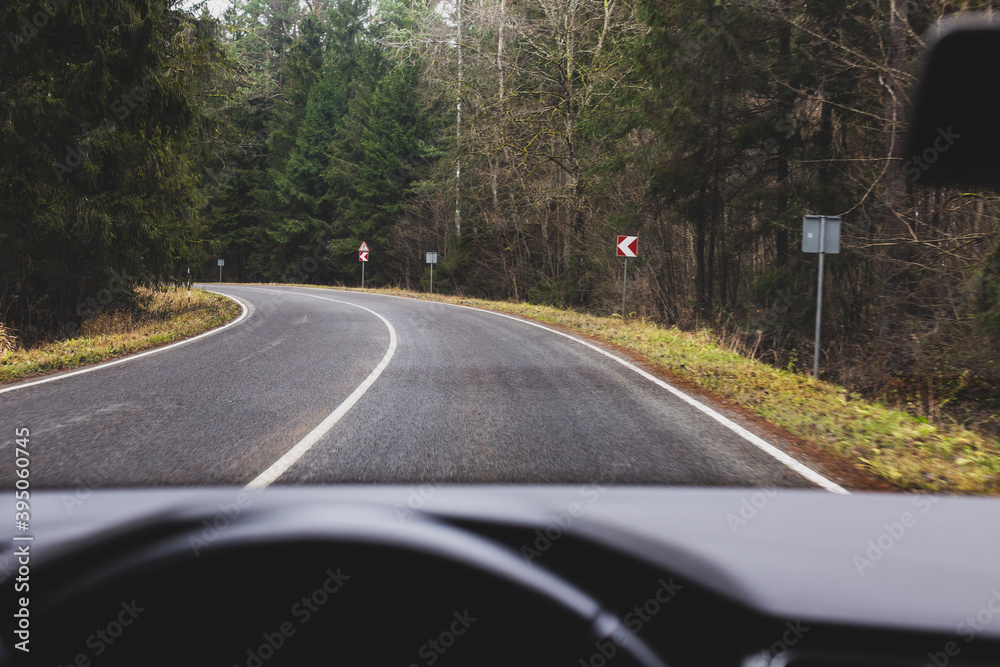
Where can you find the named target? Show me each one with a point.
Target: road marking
(758, 442)
(295, 453)
(247, 311)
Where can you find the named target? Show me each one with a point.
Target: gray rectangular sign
(432, 258)
(811, 241)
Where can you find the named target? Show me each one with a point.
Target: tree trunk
(458, 123)
(895, 185)
(784, 143)
(701, 301)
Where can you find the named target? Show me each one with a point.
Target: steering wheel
(311, 583)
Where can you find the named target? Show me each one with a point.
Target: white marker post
(432, 258)
(189, 285)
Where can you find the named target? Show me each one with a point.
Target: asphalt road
(463, 396)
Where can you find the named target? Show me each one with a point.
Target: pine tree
(98, 102)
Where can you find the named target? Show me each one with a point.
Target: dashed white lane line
(247, 311)
(296, 452)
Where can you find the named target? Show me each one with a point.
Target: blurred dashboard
(439, 575)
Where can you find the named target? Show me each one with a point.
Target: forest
(141, 140)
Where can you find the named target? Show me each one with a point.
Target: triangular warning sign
(364, 247)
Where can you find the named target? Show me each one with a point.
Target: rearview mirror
(954, 136)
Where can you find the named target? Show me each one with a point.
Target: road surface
(426, 392)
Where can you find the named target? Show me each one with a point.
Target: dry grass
(165, 317)
(8, 341)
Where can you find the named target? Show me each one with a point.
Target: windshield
(264, 242)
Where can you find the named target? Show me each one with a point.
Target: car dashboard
(477, 575)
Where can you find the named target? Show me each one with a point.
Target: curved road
(461, 395)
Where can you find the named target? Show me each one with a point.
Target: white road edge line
(792, 463)
(296, 452)
(759, 442)
(247, 310)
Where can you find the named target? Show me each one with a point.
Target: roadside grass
(907, 451)
(164, 318)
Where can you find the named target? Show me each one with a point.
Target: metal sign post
(624, 283)
(628, 246)
(432, 258)
(819, 300)
(222, 263)
(363, 257)
(820, 234)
